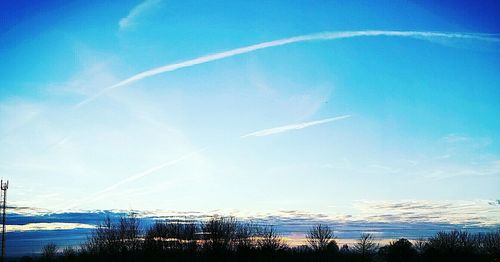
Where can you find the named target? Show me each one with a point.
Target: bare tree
(111, 238)
(420, 245)
(454, 241)
(170, 235)
(188, 234)
(245, 236)
(129, 234)
(366, 245)
(219, 233)
(102, 239)
(69, 252)
(490, 243)
(157, 236)
(49, 252)
(320, 237)
(268, 239)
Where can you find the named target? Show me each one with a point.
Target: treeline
(228, 239)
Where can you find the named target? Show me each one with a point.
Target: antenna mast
(3, 186)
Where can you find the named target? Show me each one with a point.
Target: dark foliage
(399, 251)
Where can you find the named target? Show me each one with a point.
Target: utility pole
(3, 186)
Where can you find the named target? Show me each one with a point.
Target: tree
(320, 238)
(453, 242)
(399, 251)
(344, 249)
(366, 245)
(245, 237)
(420, 245)
(69, 253)
(129, 234)
(49, 252)
(171, 235)
(490, 244)
(269, 240)
(157, 237)
(219, 233)
(114, 238)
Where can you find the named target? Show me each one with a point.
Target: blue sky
(253, 133)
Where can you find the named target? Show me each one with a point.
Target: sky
(356, 110)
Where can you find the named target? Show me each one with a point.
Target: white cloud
(471, 212)
(281, 129)
(138, 10)
(455, 138)
(46, 226)
(14, 208)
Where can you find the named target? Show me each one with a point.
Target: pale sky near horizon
(345, 125)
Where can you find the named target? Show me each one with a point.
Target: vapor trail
(137, 176)
(281, 129)
(286, 41)
(100, 194)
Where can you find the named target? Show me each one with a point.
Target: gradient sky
(419, 127)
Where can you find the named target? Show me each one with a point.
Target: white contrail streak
(98, 195)
(137, 176)
(286, 41)
(281, 129)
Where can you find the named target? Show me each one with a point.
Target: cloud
(27, 210)
(455, 141)
(281, 129)
(470, 212)
(281, 42)
(455, 138)
(138, 10)
(46, 226)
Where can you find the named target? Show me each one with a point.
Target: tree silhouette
(453, 246)
(49, 252)
(320, 238)
(115, 238)
(490, 244)
(399, 251)
(269, 240)
(171, 235)
(219, 233)
(227, 239)
(366, 245)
